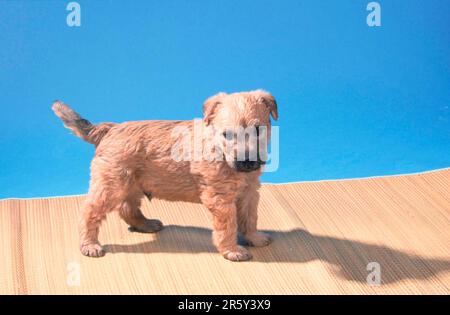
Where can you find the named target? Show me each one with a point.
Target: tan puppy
(134, 159)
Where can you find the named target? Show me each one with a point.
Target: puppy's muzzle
(247, 165)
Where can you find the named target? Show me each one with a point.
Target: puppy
(133, 159)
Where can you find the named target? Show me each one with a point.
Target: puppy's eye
(227, 134)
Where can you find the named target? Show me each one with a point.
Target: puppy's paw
(258, 239)
(92, 250)
(148, 226)
(238, 254)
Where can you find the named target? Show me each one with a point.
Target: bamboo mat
(325, 234)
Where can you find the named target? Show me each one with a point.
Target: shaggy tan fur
(134, 159)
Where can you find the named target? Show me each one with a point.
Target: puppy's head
(241, 126)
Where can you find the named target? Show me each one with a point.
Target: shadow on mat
(348, 258)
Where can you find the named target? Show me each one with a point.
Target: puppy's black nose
(247, 165)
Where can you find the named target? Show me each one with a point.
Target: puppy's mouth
(247, 166)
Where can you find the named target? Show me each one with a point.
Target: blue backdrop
(354, 100)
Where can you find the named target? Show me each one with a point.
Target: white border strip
(360, 178)
(33, 198)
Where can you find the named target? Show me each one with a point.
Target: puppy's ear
(269, 101)
(210, 105)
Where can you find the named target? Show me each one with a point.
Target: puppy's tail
(80, 126)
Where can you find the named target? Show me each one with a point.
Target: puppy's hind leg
(89, 225)
(132, 215)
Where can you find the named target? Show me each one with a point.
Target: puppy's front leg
(247, 213)
(225, 233)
